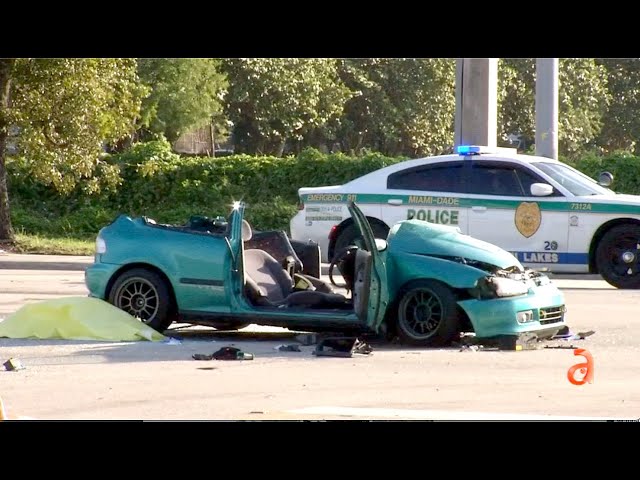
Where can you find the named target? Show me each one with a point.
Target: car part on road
(288, 348)
(225, 353)
(13, 364)
(341, 347)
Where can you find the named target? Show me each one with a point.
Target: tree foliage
(274, 100)
(64, 111)
(400, 106)
(621, 123)
(583, 101)
(186, 93)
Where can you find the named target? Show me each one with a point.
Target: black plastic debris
(341, 347)
(225, 353)
(13, 364)
(288, 348)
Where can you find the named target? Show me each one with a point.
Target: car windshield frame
(572, 180)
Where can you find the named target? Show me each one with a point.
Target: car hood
(425, 238)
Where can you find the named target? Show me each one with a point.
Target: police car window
(527, 178)
(494, 180)
(433, 178)
(573, 180)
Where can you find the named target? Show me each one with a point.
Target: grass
(37, 244)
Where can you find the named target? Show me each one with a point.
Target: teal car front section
(497, 294)
(541, 310)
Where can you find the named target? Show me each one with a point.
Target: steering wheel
(338, 259)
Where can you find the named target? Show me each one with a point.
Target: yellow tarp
(76, 318)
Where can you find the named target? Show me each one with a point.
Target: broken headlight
(492, 286)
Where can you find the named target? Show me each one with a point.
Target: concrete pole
(476, 120)
(547, 107)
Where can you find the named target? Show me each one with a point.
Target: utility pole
(476, 120)
(547, 107)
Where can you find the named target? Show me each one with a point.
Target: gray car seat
(268, 284)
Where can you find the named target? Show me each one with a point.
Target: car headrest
(247, 233)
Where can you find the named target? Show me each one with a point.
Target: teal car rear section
(426, 283)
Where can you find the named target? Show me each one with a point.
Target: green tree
(621, 123)
(186, 93)
(274, 100)
(583, 100)
(401, 106)
(64, 111)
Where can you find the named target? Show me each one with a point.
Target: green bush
(160, 184)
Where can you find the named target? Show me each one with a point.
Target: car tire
(427, 314)
(620, 241)
(351, 233)
(144, 294)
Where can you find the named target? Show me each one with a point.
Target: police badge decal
(528, 218)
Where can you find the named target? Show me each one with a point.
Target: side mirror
(605, 179)
(541, 189)
(381, 244)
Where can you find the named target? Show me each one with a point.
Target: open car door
(370, 293)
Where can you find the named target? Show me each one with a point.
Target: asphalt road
(161, 381)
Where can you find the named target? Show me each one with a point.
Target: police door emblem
(528, 218)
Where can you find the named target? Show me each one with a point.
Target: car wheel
(618, 256)
(351, 233)
(226, 326)
(145, 295)
(427, 314)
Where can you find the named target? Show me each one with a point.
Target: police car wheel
(351, 233)
(618, 256)
(427, 314)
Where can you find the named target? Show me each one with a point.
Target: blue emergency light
(469, 150)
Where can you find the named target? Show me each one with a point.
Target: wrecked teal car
(425, 283)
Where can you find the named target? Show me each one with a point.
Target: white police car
(548, 214)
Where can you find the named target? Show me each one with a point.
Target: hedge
(159, 183)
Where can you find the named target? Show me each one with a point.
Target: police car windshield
(573, 180)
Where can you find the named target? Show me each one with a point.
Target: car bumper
(96, 278)
(498, 316)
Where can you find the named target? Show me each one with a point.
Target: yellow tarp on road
(76, 318)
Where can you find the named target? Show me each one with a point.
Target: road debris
(225, 353)
(288, 348)
(13, 364)
(341, 347)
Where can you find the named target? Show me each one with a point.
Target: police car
(549, 215)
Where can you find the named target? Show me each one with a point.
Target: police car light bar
(478, 149)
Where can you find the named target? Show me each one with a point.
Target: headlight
(525, 316)
(501, 287)
(101, 245)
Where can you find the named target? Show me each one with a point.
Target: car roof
(498, 155)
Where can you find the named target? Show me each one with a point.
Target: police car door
(427, 192)
(503, 211)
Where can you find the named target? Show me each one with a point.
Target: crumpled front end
(510, 302)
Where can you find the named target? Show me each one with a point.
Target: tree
(274, 100)
(401, 106)
(64, 111)
(583, 100)
(186, 93)
(621, 123)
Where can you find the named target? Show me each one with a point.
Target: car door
(371, 295)
(432, 192)
(503, 211)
